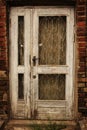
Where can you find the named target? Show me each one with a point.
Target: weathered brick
(80, 13)
(3, 39)
(81, 28)
(2, 8)
(3, 51)
(82, 19)
(84, 38)
(81, 8)
(81, 33)
(82, 49)
(82, 43)
(81, 22)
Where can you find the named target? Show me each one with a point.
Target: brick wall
(82, 54)
(3, 63)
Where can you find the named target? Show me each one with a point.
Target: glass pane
(21, 40)
(52, 87)
(52, 40)
(20, 86)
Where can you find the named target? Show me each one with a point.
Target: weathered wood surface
(32, 72)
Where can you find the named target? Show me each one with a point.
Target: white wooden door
(53, 63)
(20, 44)
(41, 62)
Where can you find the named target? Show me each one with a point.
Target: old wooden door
(41, 63)
(20, 69)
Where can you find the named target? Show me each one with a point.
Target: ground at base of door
(40, 127)
(80, 125)
(25, 128)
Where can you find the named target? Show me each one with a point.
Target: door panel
(53, 57)
(41, 73)
(52, 40)
(51, 86)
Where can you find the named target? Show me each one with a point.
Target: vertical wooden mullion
(13, 61)
(70, 59)
(35, 53)
(27, 40)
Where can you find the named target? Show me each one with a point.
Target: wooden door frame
(33, 107)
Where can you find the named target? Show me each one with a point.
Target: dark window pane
(52, 40)
(20, 86)
(52, 87)
(21, 40)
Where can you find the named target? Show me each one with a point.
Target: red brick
(82, 59)
(2, 43)
(81, 13)
(81, 8)
(81, 2)
(3, 24)
(82, 19)
(81, 28)
(3, 19)
(82, 64)
(3, 39)
(82, 49)
(81, 69)
(81, 54)
(3, 34)
(2, 13)
(3, 29)
(81, 33)
(2, 8)
(81, 23)
(82, 45)
(82, 39)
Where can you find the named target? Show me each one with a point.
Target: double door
(41, 62)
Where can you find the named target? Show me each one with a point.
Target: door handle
(34, 60)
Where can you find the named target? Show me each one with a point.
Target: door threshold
(15, 122)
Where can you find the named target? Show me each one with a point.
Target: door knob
(34, 60)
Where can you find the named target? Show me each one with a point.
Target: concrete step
(38, 124)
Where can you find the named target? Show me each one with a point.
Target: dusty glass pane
(52, 87)
(20, 40)
(20, 86)
(52, 40)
